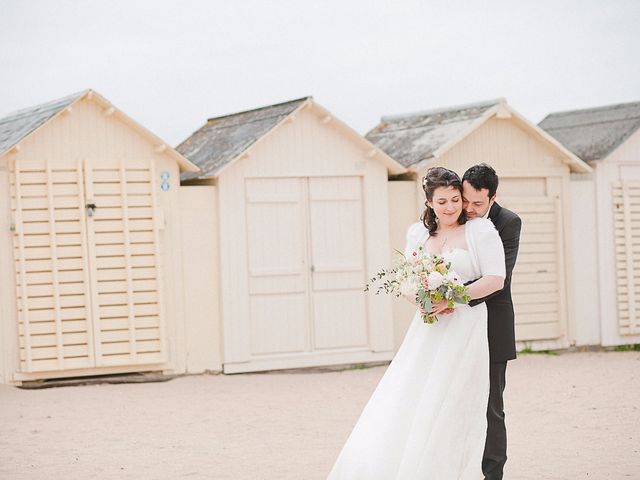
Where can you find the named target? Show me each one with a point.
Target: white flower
(408, 287)
(452, 276)
(435, 279)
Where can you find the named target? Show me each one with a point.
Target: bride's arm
(490, 254)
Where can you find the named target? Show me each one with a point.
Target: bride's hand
(441, 308)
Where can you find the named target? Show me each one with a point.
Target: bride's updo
(437, 177)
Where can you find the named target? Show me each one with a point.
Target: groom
(480, 184)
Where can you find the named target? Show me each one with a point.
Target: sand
(571, 416)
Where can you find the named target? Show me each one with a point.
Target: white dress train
(426, 419)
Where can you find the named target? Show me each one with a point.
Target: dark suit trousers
(495, 448)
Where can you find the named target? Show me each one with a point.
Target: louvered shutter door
(50, 254)
(125, 264)
(538, 282)
(626, 198)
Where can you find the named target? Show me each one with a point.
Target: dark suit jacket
(501, 319)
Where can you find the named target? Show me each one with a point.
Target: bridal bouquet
(426, 276)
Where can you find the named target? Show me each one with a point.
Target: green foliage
(529, 351)
(632, 347)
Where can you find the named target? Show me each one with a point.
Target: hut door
(626, 198)
(85, 244)
(123, 257)
(337, 262)
(306, 267)
(538, 282)
(52, 274)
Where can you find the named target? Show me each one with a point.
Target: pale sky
(172, 64)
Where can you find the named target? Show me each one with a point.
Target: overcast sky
(172, 64)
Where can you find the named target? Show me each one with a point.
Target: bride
(426, 419)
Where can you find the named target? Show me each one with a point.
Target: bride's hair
(437, 177)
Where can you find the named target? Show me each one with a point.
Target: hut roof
(593, 133)
(17, 125)
(222, 139)
(20, 124)
(414, 137)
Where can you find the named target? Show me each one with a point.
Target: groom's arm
(511, 241)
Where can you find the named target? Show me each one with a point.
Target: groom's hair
(482, 176)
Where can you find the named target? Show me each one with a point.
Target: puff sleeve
(489, 248)
(416, 234)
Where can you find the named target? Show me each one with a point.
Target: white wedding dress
(426, 419)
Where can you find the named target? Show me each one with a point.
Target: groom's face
(476, 202)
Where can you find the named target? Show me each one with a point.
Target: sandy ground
(572, 416)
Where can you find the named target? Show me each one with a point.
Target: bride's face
(447, 203)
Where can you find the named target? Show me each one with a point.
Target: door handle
(91, 209)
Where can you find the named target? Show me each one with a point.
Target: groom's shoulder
(507, 216)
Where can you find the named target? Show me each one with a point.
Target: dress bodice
(461, 263)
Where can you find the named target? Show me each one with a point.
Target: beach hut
(534, 171)
(89, 235)
(606, 219)
(302, 222)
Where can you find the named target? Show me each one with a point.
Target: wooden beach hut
(89, 243)
(302, 222)
(534, 171)
(606, 219)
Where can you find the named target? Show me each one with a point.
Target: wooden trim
(628, 241)
(315, 359)
(23, 269)
(159, 262)
(91, 314)
(54, 264)
(83, 372)
(305, 210)
(562, 233)
(127, 260)
(91, 264)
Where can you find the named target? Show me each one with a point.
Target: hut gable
(594, 133)
(420, 138)
(415, 137)
(19, 124)
(222, 140)
(52, 120)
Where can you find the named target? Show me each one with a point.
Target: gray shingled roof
(222, 139)
(414, 137)
(592, 134)
(17, 125)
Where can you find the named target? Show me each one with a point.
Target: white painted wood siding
(304, 197)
